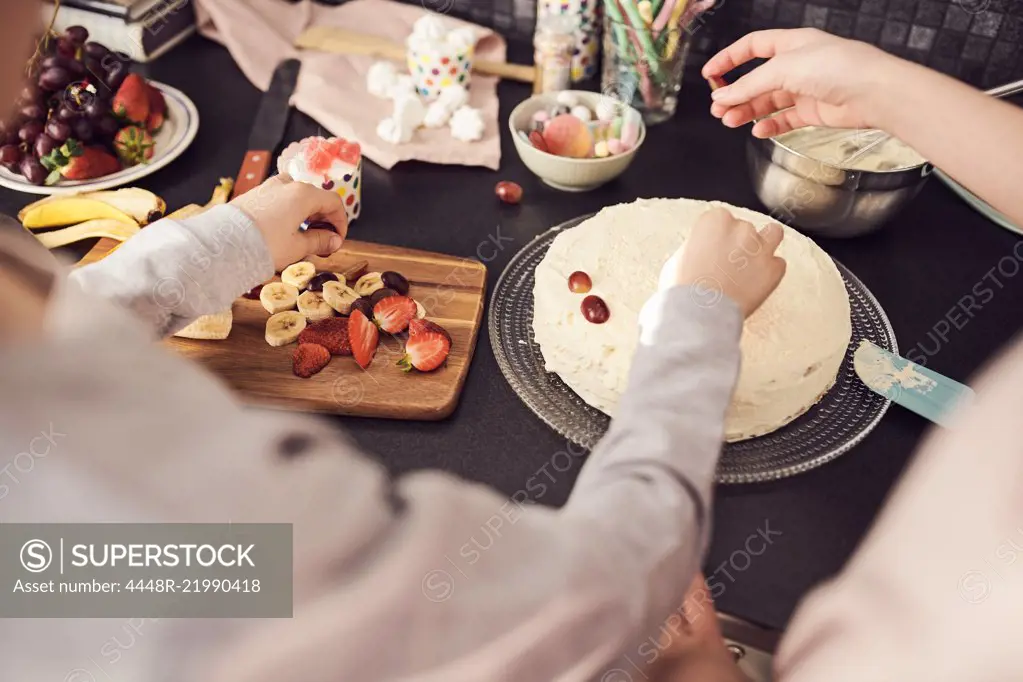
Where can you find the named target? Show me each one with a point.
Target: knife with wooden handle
(344, 41)
(268, 127)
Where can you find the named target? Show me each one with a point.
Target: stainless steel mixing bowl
(826, 200)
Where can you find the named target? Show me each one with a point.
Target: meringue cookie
(409, 111)
(388, 131)
(381, 78)
(429, 26)
(467, 124)
(451, 98)
(408, 115)
(401, 87)
(462, 38)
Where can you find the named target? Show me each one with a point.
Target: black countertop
(920, 268)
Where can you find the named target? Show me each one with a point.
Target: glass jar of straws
(645, 47)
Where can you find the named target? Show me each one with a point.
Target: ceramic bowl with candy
(331, 163)
(576, 140)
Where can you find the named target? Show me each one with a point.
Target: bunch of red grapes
(73, 82)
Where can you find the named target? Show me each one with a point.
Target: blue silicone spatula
(913, 386)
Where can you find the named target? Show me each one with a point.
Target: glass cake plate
(842, 418)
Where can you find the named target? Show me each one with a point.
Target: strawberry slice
(309, 359)
(393, 314)
(426, 350)
(350, 152)
(418, 326)
(364, 338)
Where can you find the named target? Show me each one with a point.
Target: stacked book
(141, 29)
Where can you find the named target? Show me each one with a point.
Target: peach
(566, 135)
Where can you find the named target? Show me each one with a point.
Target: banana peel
(187, 212)
(102, 227)
(141, 205)
(222, 193)
(220, 196)
(69, 211)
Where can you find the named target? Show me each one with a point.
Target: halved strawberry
(309, 359)
(393, 314)
(426, 351)
(364, 338)
(418, 326)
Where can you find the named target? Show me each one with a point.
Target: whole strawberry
(132, 100)
(134, 145)
(157, 110)
(75, 162)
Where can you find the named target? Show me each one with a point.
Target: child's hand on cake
(811, 78)
(725, 256)
(280, 205)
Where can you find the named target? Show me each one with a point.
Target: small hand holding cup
(280, 205)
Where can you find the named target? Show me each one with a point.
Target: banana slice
(339, 297)
(278, 296)
(208, 327)
(298, 274)
(312, 305)
(283, 328)
(368, 283)
(420, 310)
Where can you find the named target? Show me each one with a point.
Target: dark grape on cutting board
(319, 279)
(396, 281)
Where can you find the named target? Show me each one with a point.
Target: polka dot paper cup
(334, 164)
(439, 65)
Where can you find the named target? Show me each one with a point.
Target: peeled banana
(312, 305)
(369, 283)
(298, 274)
(209, 327)
(339, 297)
(278, 296)
(284, 327)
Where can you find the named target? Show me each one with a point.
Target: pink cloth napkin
(332, 87)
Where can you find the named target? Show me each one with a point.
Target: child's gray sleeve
(174, 271)
(650, 480)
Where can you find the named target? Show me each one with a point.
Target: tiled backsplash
(976, 40)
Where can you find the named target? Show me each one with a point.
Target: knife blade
(918, 389)
(268, 126)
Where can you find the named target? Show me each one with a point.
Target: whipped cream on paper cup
(331, 163)
(438, 56)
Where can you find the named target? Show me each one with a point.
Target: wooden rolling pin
(343, 41)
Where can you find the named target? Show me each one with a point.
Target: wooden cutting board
(451, 289)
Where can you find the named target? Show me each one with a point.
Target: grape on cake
(792, 347)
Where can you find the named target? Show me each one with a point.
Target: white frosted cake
(792, 347)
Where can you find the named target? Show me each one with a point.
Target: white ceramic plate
(177, 134)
